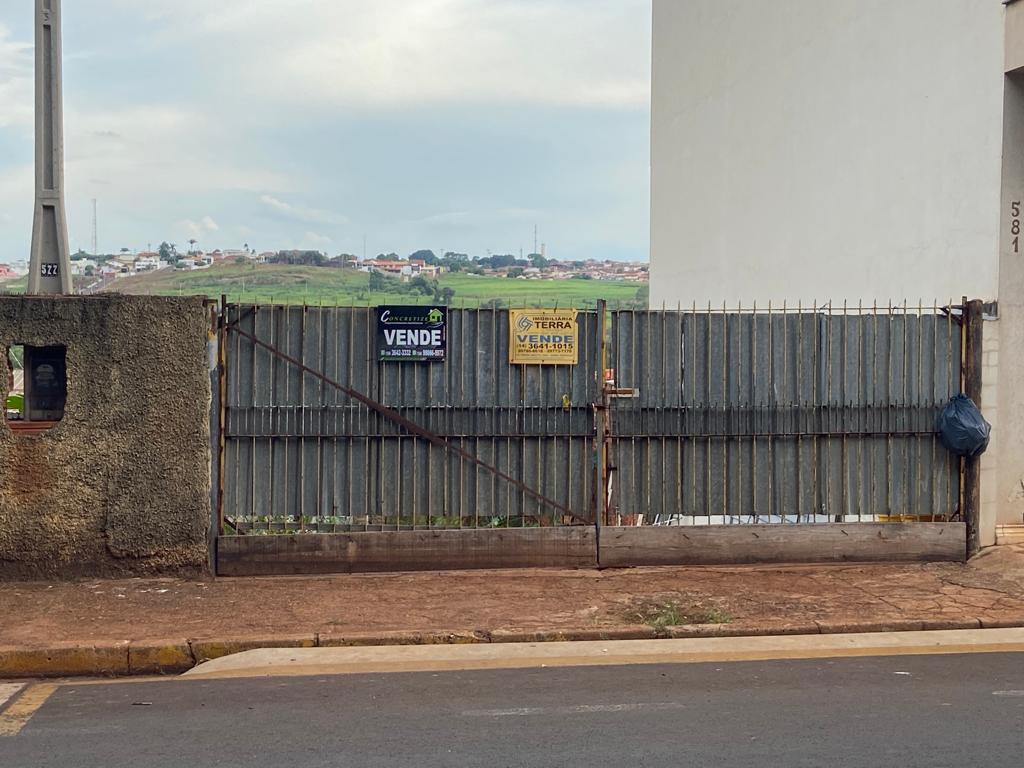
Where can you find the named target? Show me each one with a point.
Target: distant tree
(167, 253)
(538, 261)
(89, 271)
(192, 245)
(307, 258)
(124, 250)
(583, 277)
(503, 260)
(424, 286)
(515, 272)
(378, 282)
(428, 257)
(445, 295)
(241, 260)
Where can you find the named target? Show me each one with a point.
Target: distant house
(78, 266)
(404, 269)
(147, 262)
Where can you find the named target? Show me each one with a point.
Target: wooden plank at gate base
(406, 551)
(744, 544)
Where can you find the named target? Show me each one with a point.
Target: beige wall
(1009, 433)
(1014, 36)
(809, 150)
(990, 503)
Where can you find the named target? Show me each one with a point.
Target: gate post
(972, 375)
(601, 421)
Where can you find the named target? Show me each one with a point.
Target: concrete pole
(50, 263)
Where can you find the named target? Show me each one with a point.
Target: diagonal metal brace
(410, 426)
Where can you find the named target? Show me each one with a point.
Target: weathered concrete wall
(122, 485)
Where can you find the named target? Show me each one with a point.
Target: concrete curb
(172, 657)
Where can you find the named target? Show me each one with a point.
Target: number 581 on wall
(1015, 225)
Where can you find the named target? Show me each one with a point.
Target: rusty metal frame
(394, 416)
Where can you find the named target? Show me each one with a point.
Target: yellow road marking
(17, 715)
(7, 691)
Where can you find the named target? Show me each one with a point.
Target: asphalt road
(927, 711)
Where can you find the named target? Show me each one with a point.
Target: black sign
(412, 334)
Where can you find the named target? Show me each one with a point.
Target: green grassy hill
(285, 284)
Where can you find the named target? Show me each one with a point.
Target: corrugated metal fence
(806, 415)
(799, 415)
(300, 455)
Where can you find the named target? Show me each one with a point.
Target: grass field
(283, 284)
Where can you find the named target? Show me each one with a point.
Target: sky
(452, 125)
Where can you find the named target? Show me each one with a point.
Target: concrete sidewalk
(167, 626)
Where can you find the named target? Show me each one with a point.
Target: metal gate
(320, 437)
(670, 419)
(792, 415)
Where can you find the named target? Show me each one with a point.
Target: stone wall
(121, 486)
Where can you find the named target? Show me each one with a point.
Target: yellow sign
(544, 337)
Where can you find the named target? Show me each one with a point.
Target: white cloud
(16, 82)
(316, 240)
(198, 229)
(298, 212)
(483, 216)
(157, 147)
(403, 53)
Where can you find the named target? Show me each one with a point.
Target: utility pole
(95, 230)
(50, 262)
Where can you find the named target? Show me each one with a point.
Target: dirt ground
(989, 591)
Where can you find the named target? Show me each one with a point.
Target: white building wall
(809, 150)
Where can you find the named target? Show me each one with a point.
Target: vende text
(409, 338)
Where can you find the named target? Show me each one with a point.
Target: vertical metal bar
(919, 403)
(708, 410)
(847, 404)
(692, 441)
(933, 497)
(798, 402)
(300, 442)
(726, 405)
(601, 414)
(827, 460)
(773, 405)
(787, 400)
(903, 421)
(222, 339)
(755, 407)
(254, 401)
(862, 401)
(889, 420)
(272, 439)
(740, 407)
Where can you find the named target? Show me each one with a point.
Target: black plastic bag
(962, 428)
